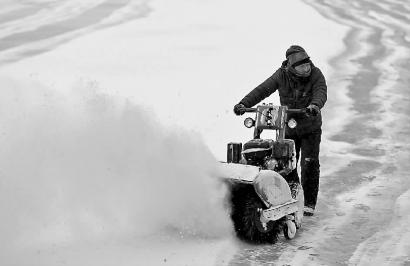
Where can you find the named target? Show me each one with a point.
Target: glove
(313, 109)
(239, 109)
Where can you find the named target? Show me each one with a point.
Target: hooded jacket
(294, 93)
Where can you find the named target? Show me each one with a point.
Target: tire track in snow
(357, 202)
(25, 43)
(21, 12)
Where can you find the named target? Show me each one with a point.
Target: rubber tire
(289, 230)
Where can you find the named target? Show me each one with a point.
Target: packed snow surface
(114, 115)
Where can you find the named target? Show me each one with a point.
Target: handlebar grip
(297, 111)
(249, 110)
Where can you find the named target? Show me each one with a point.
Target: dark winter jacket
(293, 93)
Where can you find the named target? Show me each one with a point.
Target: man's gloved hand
(239, 109)
(313, 110)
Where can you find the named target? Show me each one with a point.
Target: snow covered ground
(113, 115)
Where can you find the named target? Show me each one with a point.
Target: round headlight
(292, 123)
(249, 122)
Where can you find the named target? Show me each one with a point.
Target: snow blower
(264, 202)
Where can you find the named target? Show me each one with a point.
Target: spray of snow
(84, 165)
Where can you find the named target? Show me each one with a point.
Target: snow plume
(84, 165)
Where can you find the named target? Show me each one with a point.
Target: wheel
(289, 229)
(301, 204)
(297, 193)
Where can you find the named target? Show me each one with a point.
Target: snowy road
(105, 140)
(364, 206)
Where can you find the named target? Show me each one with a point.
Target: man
(300, 85)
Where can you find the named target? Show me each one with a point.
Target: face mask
(303, 70)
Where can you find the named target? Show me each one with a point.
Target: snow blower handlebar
(249, 110)
(297, 111)
(305, 111)
(294, 111)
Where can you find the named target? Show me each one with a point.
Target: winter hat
(294, 49)
(296, 55)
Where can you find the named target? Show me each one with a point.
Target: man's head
(298, 61)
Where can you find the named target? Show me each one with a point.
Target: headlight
(249, 122)
(292, 123)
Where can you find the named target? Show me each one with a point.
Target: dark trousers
(307, 149)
